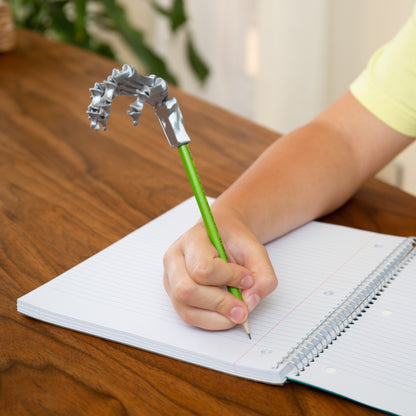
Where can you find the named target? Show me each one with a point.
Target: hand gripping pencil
(154, 91)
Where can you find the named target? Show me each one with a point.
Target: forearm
(300, 177)
(311, 171)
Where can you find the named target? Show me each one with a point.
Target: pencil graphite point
(247, 329)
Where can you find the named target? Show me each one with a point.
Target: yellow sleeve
(387, 87)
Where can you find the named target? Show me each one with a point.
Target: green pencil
(206, 213)
(154, 90)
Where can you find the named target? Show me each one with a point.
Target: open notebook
(342, 319)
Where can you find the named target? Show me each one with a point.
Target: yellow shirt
(387, 87)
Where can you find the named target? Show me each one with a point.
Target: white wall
(292, 79)
(280, 62)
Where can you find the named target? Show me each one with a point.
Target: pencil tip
(245, 325)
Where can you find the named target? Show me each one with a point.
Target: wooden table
(67, 192)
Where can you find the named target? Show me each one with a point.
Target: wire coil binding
(348, 311)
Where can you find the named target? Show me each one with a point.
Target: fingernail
(238, 314)
(252, 301)
(246, 282)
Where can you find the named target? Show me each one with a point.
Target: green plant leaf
(176, 14)
(199, 67)
(60, 23)
(135, 39)
(68, 20)
(102, 49)
(81, 34)
(33, 16)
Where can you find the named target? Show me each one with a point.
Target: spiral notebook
(342, 318)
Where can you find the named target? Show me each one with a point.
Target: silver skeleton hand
(150, 89)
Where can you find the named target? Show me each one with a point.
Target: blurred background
(278, 63)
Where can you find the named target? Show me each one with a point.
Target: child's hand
(195, 276)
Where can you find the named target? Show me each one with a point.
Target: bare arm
(313, 170)
(302, 176)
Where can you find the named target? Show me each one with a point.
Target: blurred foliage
(70, 20)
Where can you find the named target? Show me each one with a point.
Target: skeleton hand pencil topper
(148, 89)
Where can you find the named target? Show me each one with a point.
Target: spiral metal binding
(349, 310)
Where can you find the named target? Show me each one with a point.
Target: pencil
(206, 214)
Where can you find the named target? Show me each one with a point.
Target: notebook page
(118, 294)
(317, 265)
(374, 362)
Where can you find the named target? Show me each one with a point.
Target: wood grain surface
(67, 192)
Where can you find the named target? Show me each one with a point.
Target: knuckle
(168, 266)
(268, 284)
(272, 283)
(184, 290)
(166, 257)
(166, 282)
(221, 304)
(263, 251)
(202, 271)
(169, 255)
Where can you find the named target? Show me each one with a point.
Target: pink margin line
(305, 298)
